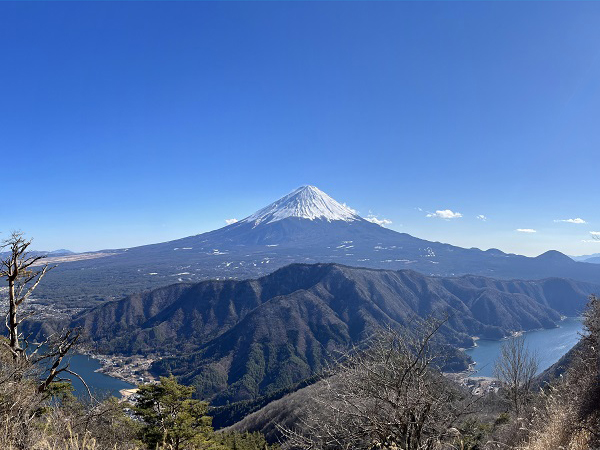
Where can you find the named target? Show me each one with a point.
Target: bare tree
(516, 368)
(22, 281)
(387, 396)
(18, 267)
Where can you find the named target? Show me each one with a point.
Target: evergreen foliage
(173, 420)
(172, 417)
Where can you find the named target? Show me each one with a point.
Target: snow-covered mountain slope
(306, 202)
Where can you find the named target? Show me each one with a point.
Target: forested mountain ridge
(236, 340)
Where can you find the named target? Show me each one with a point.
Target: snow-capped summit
(306, 202)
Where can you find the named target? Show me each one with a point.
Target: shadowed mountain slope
(236, 340)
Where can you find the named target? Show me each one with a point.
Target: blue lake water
(549, 345)
(100, 384)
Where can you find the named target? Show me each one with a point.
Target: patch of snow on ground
(429, 252)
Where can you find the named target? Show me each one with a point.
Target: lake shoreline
(130, 369)
(518, 333)
(550, 344)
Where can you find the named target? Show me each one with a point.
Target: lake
(100, 384)
(550, 345)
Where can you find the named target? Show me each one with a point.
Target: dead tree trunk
(18, 269)
(22, 279)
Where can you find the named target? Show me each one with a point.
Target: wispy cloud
(481, 217)
(526, 230)
(577, 220)
(591, 241)
(230, 221)
(381, 222)
(595, 238)
(445, 214)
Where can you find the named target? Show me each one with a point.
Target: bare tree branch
(82, 381)
(516, 367)
(383, 396)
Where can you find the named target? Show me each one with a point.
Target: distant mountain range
(306, 226)
(52, 253)
(237, 340)
(593, 258)
(60, 252)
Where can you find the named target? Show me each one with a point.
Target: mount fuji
(305, 226)
(306, 216)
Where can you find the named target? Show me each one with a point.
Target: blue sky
(131, 123)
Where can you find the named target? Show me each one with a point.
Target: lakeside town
(132, 369)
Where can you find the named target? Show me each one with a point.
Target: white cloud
(381, 222)
(445, 214)
(419, 209)
(577, 220)
(230, 221)
(526, 230)
(595, 236)
(481, 217)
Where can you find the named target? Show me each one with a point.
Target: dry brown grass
(73, 442)
(560, 430)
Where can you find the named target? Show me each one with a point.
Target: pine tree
(172, 418)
